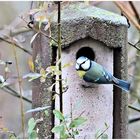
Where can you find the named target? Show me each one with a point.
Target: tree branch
(134, 108)
(59, 57)
(134, 45)
(135, 11)
(4, 36)
(17, 45)
(133, 120)
(127, 14)
(38, 31)
(15, 93)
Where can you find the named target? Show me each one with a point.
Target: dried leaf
(33, 38)
(32, 76)
(38, 109)
(31, 64)
(47, 26)
(67, 65)
(2, 62)
(42, 79)
(42, 72)
(1, 79)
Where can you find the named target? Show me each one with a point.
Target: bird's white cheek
(86, 65)
(77, 66)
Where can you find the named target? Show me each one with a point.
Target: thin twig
(59, 57)
(133, 120)
(39, 31)
(134, 45)
(20, 91)
(17, 45)
(102, 132)
(135, 11)
(14, 33)
(71, 115)
(19, 31)
(15, 93)
(127, 14)
(134, 108)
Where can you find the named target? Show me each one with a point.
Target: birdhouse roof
(80, 21)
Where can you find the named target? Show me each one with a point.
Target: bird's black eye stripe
(83, 62)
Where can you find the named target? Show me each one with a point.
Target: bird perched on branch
(93, 72)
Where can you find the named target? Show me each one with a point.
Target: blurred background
(10, 13)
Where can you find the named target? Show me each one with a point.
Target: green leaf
(12, 136)
(77, 121)
(104, 136)
(97, 134)
(75, 132)
(58, 129)
(64, 136)
(33, 135)
(57, 72)
(31, 125)
(53, 43)
(58, 115)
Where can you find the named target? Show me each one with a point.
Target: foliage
(31, 128)
(68, 128)
(101, 134)
(11, 135)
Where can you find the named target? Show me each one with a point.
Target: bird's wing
(109, 77)
(95, 73)
(102, 75)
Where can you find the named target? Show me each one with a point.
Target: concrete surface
(83, 26)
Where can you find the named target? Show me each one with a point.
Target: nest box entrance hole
(87, 52)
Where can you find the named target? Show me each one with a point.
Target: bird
(93, 72)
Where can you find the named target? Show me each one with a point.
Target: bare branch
(15, 93)
(17, 45)
(134, 45)
(134, 108)
(133, 120)
(39, 31)
(135, 11)
(123, 10)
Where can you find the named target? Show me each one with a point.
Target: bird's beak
(81, 73)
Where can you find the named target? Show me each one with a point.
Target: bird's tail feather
(124, 85)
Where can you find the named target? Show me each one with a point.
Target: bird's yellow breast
(81, 73)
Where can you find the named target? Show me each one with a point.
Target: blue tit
(93, 72)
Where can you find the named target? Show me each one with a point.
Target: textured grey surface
(81, 21)
(41, 96)
(83, 25)
(96, 101)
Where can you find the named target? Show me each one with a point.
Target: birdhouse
(101, 36)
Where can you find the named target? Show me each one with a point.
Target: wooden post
(42, 57)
